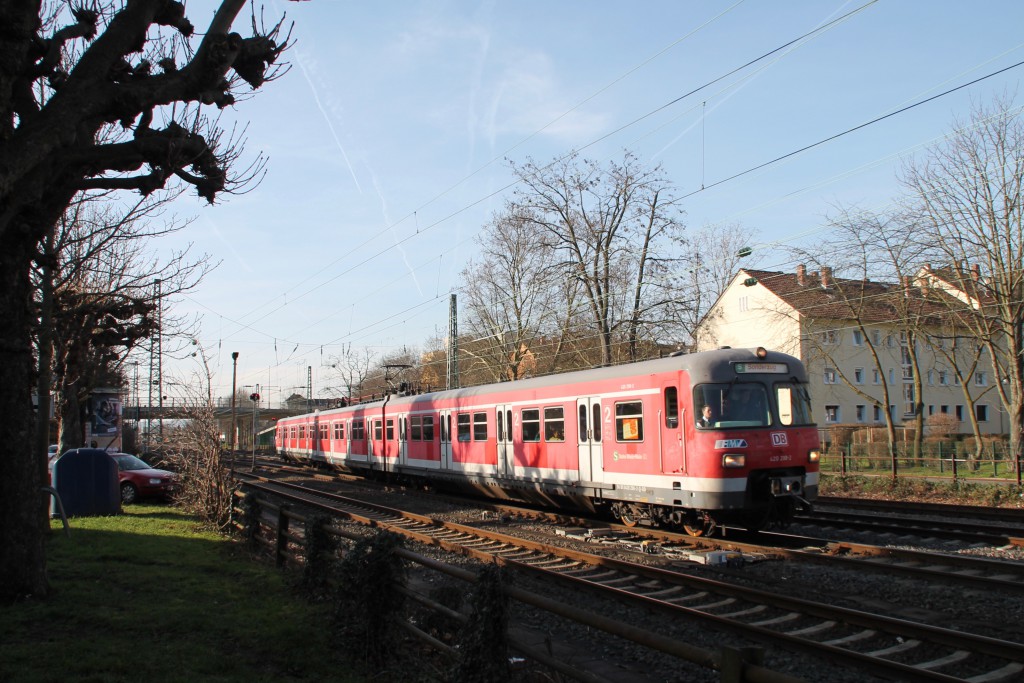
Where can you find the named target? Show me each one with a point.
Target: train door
(446, 438)
(403, 445)
(672, 449)
(503, 435)
(588, 412)
(377, 445)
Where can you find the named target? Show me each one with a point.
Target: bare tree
(192, 447)
(509, 295)
(103, 300)
(612, 229)
(967, 192)
(67, 73)
(349, 372)
(710, 259)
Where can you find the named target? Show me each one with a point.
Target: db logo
(779, 439)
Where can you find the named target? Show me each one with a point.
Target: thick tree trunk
(22, 470)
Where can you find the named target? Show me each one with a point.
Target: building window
(981, 412)
(980, 378)
(831, 414)
(943, 378)
(876, 377)
(960, 413)
(931, 378)
(858, 338)
(830, 376)
(909, 404)
(876, 337)
(862, 412)
(829, 337)
(944, 409)
(858, 375)
(878, 413)
(931, 410)
(744, 305)
(892, 376)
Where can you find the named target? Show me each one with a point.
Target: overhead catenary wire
(508, 186)
(785, 156)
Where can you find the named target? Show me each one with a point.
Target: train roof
(704, 366)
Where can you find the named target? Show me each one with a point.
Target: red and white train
(631, 439)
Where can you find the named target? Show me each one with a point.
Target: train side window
(582, 425)
(531, 424)
(499, 428)
(554, 424)
(428, 427)
(390, 429)
(462, 425)
(671, 407)
(358, 430)
(446, 428)
(595, 423)
(377, 433)
(479, 426)
(629, 421)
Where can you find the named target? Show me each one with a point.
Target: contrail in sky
(320, 106)
(391, 228)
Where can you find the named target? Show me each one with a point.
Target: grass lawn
(149, 596)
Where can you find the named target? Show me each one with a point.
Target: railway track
(920, 527)
(891, 648)
(967, 571)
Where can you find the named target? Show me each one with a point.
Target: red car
(139, 480)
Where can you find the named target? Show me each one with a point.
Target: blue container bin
(87, 481)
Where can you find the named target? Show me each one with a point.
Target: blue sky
(387, 139)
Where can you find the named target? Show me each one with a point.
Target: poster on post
(104, 424)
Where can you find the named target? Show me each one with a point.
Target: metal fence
(940, 458)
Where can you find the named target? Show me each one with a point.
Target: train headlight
(813, 455)
(734, 460)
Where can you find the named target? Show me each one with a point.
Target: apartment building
(853, 337)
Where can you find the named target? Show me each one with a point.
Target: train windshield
(794, 404)
(734, 404)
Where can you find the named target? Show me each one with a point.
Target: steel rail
(899, 635)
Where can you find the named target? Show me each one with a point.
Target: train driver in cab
(705, 419)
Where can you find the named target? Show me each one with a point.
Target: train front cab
(762, 440)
